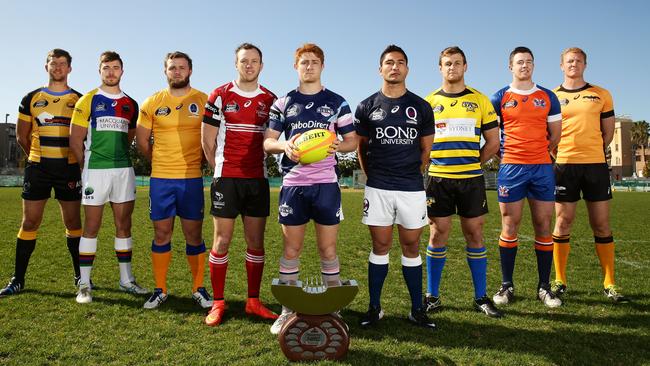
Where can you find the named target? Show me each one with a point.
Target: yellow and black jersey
(582, 137)
(460, 119)
(49, 114)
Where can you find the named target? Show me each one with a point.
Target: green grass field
(44, 324)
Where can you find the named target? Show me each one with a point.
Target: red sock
(254, 269)
(218, 269)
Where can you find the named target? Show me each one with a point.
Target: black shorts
(591, 179)
(446, 196)
(40, 179)
(230, 197)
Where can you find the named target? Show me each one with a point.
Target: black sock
(24, 250)
(73, 248)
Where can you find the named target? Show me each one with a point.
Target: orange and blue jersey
(524, 116)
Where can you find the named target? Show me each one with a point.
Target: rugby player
(309, 191)
(169, 134)
(587, 129)
(42, 132)
(105, 119)
(395, 129)
(455, 184)
(531, 123)
(232, 136)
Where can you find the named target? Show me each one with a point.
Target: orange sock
(196, 260)
(605, 250)
(561, 249)
(161, 256)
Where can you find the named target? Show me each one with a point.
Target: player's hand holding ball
(290, 148)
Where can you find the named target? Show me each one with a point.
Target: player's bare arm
(77, 136)
(23, 135)
(362, 153)
(426, 143)
(491, 145)
(273, 146)
(554, 134)
(209, 142)
(607, 129)
(142, 139)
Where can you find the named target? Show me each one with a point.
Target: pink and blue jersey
(524, 116)
(297, 113)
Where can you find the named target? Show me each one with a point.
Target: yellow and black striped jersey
(582, 137)
(460, 119)
(49, 114)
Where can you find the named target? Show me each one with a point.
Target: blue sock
(412, 272)
(508, 253)
(377, 272)
(477, 261)
(544, 264)
(436, 258)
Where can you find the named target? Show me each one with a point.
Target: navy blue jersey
(394, 127)
(297, 113)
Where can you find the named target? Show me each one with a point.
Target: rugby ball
(312, 146)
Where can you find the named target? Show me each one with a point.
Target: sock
(477, 261)
(87, 250)
(123, 252)
(254, 270)
(218, 270)
(161, 256)
(196, 259)
(605, 251)
(289, 270)
(412, 272)
(561, 249)
(544, 253)
(377, 272)
(436, 259)
(331, 272)
(508, 254)
(72, 240)
(25, 244)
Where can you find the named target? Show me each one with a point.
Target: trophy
(315, 331)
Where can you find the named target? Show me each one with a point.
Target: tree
(640, 132)
(348, 163)
(272, 169)
(141, 166)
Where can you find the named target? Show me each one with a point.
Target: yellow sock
(561, 249)
(161, 262)
(196, 260)
(605, 250)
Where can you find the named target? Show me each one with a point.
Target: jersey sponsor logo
(412, 115)
(47, 119)
(294, 110)
(591, 98)
(231, 107)
(40, 103)
(564, 102)
(309, 125)
(210, 107)
(115, 124)
(163, 111)
(396, 135)
(248, 103)
(395, 109)
(101, 107)
(378, 115)
(470, 106)
(194, 109)
(454, 102)
(309, 105)
(56, 100)
(438, 108)
(262, 111)
(539, 103)
(285, 210)
(88, 192)
(325, 111)
(510, 104)
(456, 127)
(274, 115)
(179, 106)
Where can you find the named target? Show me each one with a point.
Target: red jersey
(242, 118)
(524, 116)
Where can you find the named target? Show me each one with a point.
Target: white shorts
(115, 185)
(385, 208)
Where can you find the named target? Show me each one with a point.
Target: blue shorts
(171, 197)
(518, 181)
(320, 202)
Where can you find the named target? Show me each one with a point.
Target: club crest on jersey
(163, 111)
(294, 110)
(438, 108)
(412, 115)
(325, 111)
(564, 102)
(470, 106)
(231, 107)
(539, 103)
(395, 109)
(40, 103)
(194, 109)
(503, 191)
(101, 107)
(285, 210)
(510, 104)
(378, 115)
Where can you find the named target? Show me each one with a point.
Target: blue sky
(615, 36)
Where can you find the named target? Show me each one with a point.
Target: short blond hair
(573, 50)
